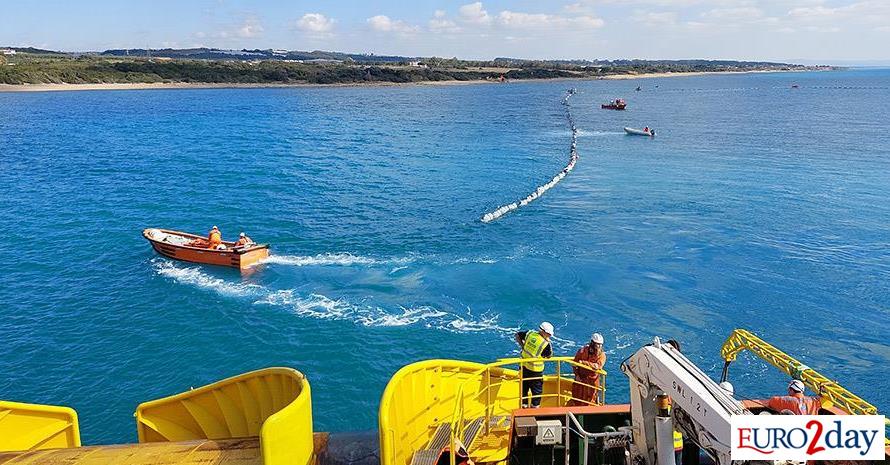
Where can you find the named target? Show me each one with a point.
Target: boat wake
(333, 259)
(195, 277)
(573, 158)
(318, 306)
(599, 133)
(348, 259)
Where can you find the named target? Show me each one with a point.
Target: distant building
(279, 52)
(416, 64)
(7, 51)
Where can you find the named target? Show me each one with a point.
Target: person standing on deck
(795, 401)
(214, 238)
(534, 344)
(585, 387)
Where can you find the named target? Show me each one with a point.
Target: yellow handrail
(742, 339)
(458, 426)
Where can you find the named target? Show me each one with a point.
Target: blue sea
(757, 206)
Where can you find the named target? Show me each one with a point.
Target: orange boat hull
(241, 257)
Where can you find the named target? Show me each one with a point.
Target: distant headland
(37, 69)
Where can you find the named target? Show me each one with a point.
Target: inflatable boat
(639, 132)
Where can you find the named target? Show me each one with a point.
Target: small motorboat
(640, 132)
(193, 248)
(617, 104)
(639, 88)
(795, 86)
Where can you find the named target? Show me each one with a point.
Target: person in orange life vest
(593, 358)
(795, 401)
(214, 238)
(243, 240)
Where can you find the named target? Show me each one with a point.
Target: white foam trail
(319, 306)
(540, 190)
(331, 259)
(194, 276)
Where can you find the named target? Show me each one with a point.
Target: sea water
(757, 206)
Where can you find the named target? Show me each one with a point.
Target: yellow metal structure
(259, 418)
(426, 396)
(742, 339)
(273, 403)
(36, 427)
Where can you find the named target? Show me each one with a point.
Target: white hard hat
(214, 227)
(796, 385)
(241, 235)
(547, 328)
(727, 386)
(597, 338)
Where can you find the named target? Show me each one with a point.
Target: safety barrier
(36, 427)
(274, 404)
(500, 397)
(540, 190)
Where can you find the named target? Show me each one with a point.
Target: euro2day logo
(807, 437)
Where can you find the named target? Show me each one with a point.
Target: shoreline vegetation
(42, 70)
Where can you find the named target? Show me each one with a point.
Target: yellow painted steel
(423, 395)
(273, 403)
(259, 418)
(742, 339)
(36, 427)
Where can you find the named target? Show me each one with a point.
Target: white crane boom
(701, 409)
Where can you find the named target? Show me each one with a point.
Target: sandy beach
(692, 73)
(210, 85)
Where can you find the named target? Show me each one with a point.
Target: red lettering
(743, 439)
(813, 448)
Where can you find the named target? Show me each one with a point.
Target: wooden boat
(639, 132)
(617, 104)
(192, 248)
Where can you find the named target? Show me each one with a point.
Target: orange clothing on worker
(243, 240)
(595, 358)
(214, 238)
(797, 403)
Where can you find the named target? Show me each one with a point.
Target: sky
(804, 31)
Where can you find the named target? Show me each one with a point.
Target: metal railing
(459, 415)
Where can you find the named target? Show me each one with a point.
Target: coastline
(54, 87)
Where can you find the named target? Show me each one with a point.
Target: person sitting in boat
(244, 240)
(646, 129)
(214, 238)
(795, 401)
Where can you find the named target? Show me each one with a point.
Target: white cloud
(383, 23)
(515, 19)
(655, 18)
(587, 21)
(733, 15)
(474, 13)
(578, 8)
(316, 23)
(441, 24)
(251, 28)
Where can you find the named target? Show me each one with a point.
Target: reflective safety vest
(533, 347)
(678, 440)
(215, 237)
